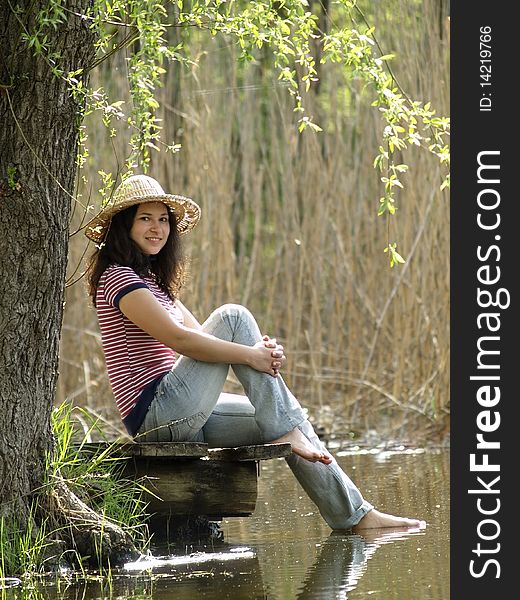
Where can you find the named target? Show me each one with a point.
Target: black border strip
(484, 132)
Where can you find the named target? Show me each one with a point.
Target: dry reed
(290, 229)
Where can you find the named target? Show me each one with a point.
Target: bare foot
(302, 447)
(378, 520)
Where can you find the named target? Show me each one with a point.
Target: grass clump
(95, 473)
(23, 546)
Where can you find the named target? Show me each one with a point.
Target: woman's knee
(235, 311)
(231, 322)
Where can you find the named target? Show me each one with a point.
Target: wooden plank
(174, 450)
(160, 450)
(244, 453)
(170, 450)
(197, 487)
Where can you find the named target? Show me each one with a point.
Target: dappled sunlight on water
(286, 551)
(195, 558)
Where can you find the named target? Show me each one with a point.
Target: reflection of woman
(341, 563)
(167, 371)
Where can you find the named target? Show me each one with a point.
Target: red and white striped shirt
(134, 358)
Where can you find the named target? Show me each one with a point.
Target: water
(285, 551)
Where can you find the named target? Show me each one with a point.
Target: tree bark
(39, 125)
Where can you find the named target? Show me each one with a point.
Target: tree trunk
(39, 124)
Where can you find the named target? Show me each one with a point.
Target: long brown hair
(167, 267)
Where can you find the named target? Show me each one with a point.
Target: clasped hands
(276, 353)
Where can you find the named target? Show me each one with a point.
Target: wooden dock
(191, 479)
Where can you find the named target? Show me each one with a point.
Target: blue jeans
(189, 405)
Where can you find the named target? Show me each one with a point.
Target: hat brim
(186, 211)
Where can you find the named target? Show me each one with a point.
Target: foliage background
(290, 225)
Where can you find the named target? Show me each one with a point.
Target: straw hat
(137, 190)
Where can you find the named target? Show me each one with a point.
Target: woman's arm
(189, 319)
(143, 309)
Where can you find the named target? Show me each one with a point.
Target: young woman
(167, 371)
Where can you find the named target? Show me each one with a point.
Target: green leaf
(398, 258)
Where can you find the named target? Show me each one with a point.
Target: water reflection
(342, 561)
(230, 572)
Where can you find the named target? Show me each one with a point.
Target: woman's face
(151, 227)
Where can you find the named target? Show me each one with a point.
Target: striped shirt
(135, 360)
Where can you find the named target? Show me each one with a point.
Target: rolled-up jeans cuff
(354, 519)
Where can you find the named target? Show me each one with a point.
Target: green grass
(22, 545)
(96, 477)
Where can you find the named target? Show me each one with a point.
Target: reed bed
(290, 229)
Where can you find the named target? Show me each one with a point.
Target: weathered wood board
(170, 450)
(204, 487)
(240, 453)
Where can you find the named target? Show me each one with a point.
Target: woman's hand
(262, 359)
(276, 353)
